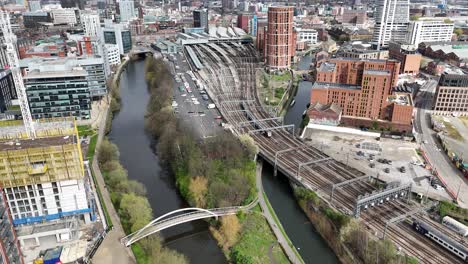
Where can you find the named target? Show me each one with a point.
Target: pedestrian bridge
(181, 216)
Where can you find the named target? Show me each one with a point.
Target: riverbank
(130, 208)
(217, 172)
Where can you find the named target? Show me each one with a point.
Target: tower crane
(12, 58)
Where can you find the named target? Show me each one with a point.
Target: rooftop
(400, 99)
(19, 144)
(35, 74)
(377, 72)
(460, 50)
(327, 67)
(326, 85)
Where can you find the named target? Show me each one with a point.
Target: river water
(193, 239)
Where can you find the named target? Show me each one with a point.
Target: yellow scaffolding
(38, 164)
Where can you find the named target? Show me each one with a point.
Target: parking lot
(190, 101)
(388, 159)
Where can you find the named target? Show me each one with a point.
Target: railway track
(230, 75)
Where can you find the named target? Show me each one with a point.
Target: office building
(407, 54)
(10, 251)
(308, 35)
(43, 178)
(58, 93)
(280, 40)
(65, 16)
(200, 19)
(363, 90)
(429, 31)
(391, 22)
(452, 93)
(119, 35)
(33, 19)
(94, 67)
(34, 5)
(7, 90)
(113, 54)
(127, 10)
(91, 24)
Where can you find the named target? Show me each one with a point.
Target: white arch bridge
(181, 216)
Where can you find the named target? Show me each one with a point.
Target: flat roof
(327, 66)
(326, 85)
(19, 144)
(377, 72)
(51, 74)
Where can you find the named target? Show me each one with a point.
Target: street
(426, 137)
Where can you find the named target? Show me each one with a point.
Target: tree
(107, 152)
(136, 209)
(228, 233)
(249, 144)
(116, 177)
(447, 21)
(414, 17)
(137, 187)
(198, 188)
(458, 31)
(158, 254)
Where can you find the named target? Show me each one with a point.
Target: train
(251, 117)
(455, 225)
(449, 244)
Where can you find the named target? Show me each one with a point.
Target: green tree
(136, 209)
(107, 152)
(458, 31)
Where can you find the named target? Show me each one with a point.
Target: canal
(194, 239)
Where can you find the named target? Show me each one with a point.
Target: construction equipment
(12, 56)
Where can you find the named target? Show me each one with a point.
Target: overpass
(181, 216)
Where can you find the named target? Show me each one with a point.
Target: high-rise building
(363, 90)
(118, 34)
(34, 5)
(91, 24)
(127, 10)
(429, 31)
(280, 41)
(391, 22)
(200, 19)
(65, 16)
(44, 178)
(58, 93)
(10, 251)
(7, 90)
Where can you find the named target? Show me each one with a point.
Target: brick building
(407, 54)
(363, 90)
(280, 37)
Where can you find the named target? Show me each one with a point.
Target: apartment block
(118, 34)
(280, 39)
(408, 55)
(308, 35)
(452, 93)
(58, 93)
(127, 10)
(10, 251)
(429, 31)
(91, 24)
(363, 89)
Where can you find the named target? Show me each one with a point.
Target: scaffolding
(54, 155)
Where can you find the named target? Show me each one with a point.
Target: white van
(211, 106)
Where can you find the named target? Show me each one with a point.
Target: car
(386, 170)
(205, 97)
(181, 89)
(196, 102)
(438, 187)
(194, 99)
(174, 104)
(402, 169)
(372, 165)
(183, 95)
(202, 92)
(218, 117)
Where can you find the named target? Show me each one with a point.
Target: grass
(279, 92)
(282, 77)
(85, 130)
(140, 254)
(101, 199)
(92, 147)
(255, 241)
(278, 224)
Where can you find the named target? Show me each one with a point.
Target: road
(430, 145)
(202, 119)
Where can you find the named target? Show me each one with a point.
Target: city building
(363, 89)
(308, 35)
(451, 96)
(429, 31)
(407, 54)
(127, 10)
(3, 54)
(243, 20)
(35, 19)
(136, 27)
(280, 43)
(7, 93)
(354, 17)
(112, 55)
(454, 53)
(65, 16)
(34, 5)
(91, 24)
(391, 22)
(10, 251)
(94, 67)
(43, 178)
(200, 19)
(166, 47)
(119, 35)
(89, 46)
(58, 93)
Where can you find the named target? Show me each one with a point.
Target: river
(193, 239)
(136, 154)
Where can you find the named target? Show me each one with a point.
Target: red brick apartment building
(363, 90)
(280, 40)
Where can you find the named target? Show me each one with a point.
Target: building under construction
(43, 178)
(9, 246)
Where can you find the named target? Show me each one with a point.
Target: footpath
(110, 250)
(288, 249)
